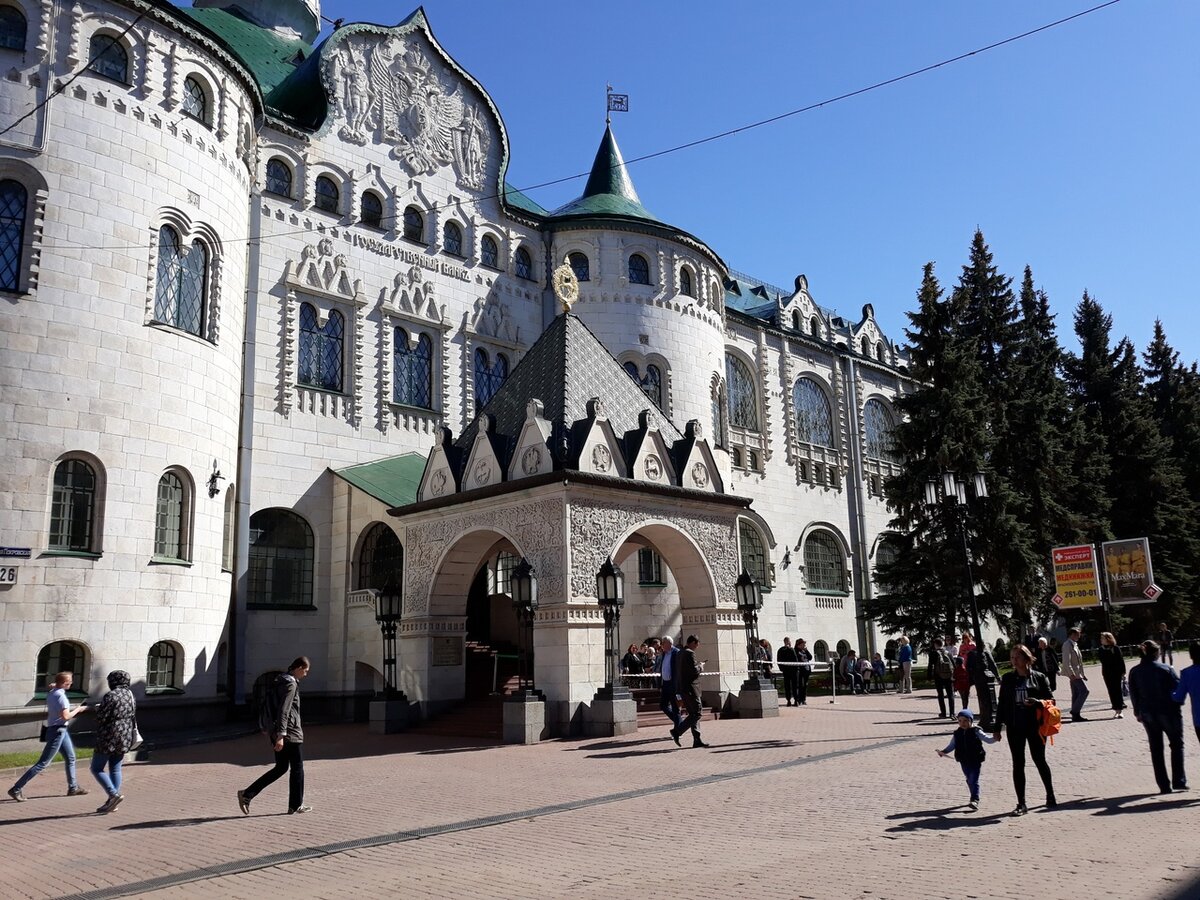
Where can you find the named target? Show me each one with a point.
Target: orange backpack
(1049, 720)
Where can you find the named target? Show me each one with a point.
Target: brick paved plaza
(842, 800)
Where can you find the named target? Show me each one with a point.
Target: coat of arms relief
(389, 91)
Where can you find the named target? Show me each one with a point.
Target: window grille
(281, 559)
(73, 506)
(321, 349)
(814, 419)
(13, 201)
(823, 563)
(743, 398)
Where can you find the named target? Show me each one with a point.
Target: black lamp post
(525, 602)
(388, 603)
(610, 593)
(749, 602)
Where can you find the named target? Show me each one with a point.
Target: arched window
(179, 295)
(73, 507)
(879, 351)
(843, 647)
(452, 239)
(685, 283)
(279, 177)
(13, 28)
(488, 377)
(321, 350)
(795, 320)
(381, 559)
(743, 398)
(651, 384)
(227, 530)
(171, 518)
(281, 559)
(371, 209)
(718, 412)
(877, 422)
(162, 667)
(414, 224)
(195, 100)
(821, 651)
(866, 346)
(524, 264)
(13, 201)
(412, 372)
(639, 269)
(61, 656)
(754, 556)
(328, 197)
(489, 252)
(824, 566)
(814, 419)
(814, 327)
(579, 265)
(108, 58)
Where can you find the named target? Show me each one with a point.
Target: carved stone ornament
(653, 467)
(531, 460)
(386, 89)
(566, 286)
(437, 484)
(699, 475)
(483, 472)
(601, 458)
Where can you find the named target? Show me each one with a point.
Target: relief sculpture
(387, 90)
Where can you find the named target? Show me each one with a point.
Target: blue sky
(1075, 150)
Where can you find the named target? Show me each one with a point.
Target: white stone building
(248, 281)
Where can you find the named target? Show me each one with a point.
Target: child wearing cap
(967, 744)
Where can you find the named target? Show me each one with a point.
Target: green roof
(519, 200)
(609, 190)
(268, 56)
(394, 480)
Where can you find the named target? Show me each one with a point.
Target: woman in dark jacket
(115, 726)
(1021, 693)
(1112, 668)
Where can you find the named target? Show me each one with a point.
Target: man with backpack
(941, 672)
(279, 720)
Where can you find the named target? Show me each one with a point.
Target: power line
(655, 155)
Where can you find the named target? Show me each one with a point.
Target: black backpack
(944, 668)
(268, 709)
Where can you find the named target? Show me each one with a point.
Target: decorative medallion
(601, 458)
(483, 472)
(531, 460)
(653, 467)
(437, 484)
(699, 475)
(566, 286)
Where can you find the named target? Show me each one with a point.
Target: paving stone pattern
(845, 800)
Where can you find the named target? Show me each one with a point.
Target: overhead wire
(477, 201)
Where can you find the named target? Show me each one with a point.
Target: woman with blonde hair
(58, 716)
(1112, 668)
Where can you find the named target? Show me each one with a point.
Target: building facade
(255, 286)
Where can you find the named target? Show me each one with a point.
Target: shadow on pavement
(605, 745)
(1112, 806)
(28, 819)
(183, 823)
(948, 822)
(634, 753)
(755, 745)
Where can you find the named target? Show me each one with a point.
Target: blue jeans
(1079, 693)
(668, 702)
(111, 785)
(57, 738)
(971, 773)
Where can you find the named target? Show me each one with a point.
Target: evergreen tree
(1174, 392)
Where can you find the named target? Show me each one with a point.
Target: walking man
(1072, 667)
(687, 683)
(1165, 639)
(287, 739)
(1151, 684)
(786, 657)
(1045, 661)
(941, 671)
(666, 668)
(981, 667)
(58, 715)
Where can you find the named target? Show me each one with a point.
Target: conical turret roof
(609, 190)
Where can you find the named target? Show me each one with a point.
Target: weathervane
(616, 103)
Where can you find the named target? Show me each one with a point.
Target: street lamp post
(749, 601)
(388, 604)
(610, 593)
(525, 603)
(950, 492)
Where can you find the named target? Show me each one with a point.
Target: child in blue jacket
(967, 745)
